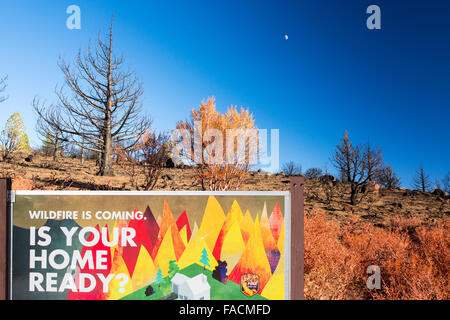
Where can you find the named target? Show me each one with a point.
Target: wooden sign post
(297, 236)
(5, 187)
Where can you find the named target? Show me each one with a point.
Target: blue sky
(391, 86)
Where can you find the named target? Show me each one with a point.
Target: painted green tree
(159, 277)
(173, 268)
(204, 259)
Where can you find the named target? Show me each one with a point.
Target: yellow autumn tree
(13, 138)
(222, 146)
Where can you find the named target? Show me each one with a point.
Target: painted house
(196, 288)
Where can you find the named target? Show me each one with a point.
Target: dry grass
(413, 259)
(405, 233)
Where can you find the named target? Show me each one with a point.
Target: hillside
(330, 196)
(404, 232)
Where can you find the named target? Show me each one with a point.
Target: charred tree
(99, 103)
(422, 180)
(357, 165)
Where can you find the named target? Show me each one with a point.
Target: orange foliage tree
(222, 146)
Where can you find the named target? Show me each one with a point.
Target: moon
(286, 36)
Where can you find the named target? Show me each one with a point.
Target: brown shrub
(376, 246)
(148, 157)
(401, 224)
(20, 183)
(432, 261)
(413, 259)
(329, 266)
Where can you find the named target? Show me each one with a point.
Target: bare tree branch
(50, 136)
(421, 180)
(357, 164)
(99, 105)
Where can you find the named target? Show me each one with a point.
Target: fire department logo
(249, 284)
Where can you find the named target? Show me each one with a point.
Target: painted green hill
(219, 291)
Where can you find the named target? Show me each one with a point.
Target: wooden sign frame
(294, 204)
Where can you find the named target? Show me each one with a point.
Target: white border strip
(152, 193)
(287, 217)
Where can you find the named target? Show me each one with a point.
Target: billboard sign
(102, 245)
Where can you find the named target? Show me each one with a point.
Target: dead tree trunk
(357, 165)
(56, 148)
(106, 168)
(82, 150)
(102, 106)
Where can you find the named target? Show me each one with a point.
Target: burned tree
(291, 169)
(421, 181)
(50, 135)
(147, 157)
(446, 183)
(155, 152)
(372, 162)
(356, 165)
(99, 104)
(388, 178)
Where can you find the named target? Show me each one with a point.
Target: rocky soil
(377, 205)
